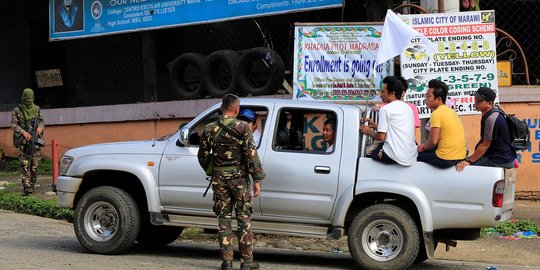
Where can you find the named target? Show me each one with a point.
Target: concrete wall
(82, 126)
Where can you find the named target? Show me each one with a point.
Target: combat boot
(226, 265)
(249, 265)
(27, 191)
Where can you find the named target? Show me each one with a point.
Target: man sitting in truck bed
(445, 146)
(395, 128)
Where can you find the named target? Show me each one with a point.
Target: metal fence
(518, 18)
(113, 70)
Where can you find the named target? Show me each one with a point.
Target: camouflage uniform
(228, 158)
(18, 124)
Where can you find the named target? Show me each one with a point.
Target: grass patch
(9, 185)
(48, 208)
(9, 166)
(192, 233)
(512, 226)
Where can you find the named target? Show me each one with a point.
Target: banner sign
(70, 19)
(465, 58)
(335, 62)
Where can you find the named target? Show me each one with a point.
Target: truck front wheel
(383, 236)
(107, 220)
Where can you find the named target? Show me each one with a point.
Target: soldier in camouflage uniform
(228, 154)
(22, 121)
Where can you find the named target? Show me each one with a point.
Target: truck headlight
(64, 164)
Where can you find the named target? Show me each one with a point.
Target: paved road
(29, 242)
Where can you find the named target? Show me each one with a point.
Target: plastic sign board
(49, 78)
(465, 59)
(504, 73)
(335, 63)
(69, 19)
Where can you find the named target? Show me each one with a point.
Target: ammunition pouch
(18, 139)
(39, 142)
(227, 168)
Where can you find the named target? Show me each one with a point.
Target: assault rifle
(35, 142)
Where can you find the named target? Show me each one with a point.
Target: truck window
(197, 130)
(302, 130)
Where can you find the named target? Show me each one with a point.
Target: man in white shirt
(395, 128)
(329, 134)
(249, 116)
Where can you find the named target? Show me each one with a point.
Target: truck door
(181, 178)
(302, 176)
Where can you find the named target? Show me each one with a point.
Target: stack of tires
(257, 71)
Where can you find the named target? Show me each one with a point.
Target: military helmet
(247, 115)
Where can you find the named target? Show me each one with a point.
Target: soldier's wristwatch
(468, 159)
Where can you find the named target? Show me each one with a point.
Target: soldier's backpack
(520, 136)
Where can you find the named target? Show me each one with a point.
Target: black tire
(186, 75)
(383, 236)
(220, 70)
(260, 71)
(153, 235)
(107, 220)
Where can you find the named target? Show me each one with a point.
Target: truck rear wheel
(384, 236)
(107, 220)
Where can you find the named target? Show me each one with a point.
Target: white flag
(396, 35)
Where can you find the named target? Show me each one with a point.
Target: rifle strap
(22, 121)
(228, 131)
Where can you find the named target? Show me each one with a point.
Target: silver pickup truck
(393, 216)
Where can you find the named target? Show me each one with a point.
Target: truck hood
(149, 147)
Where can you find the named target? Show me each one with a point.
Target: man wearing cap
(493, 149)
(250, 117)
(228, 154)
(27, 124)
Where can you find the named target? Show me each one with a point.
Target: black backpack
(520, 135)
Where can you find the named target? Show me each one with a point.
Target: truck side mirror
(183, 139)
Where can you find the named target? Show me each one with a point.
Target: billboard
(335, 62)
(465, 57)
(69, 19)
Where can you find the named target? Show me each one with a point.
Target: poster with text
(464, 57)
(335, 62)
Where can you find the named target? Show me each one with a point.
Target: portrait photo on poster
(68, 15)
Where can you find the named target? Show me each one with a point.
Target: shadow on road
(288, 259)
(262, 255)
